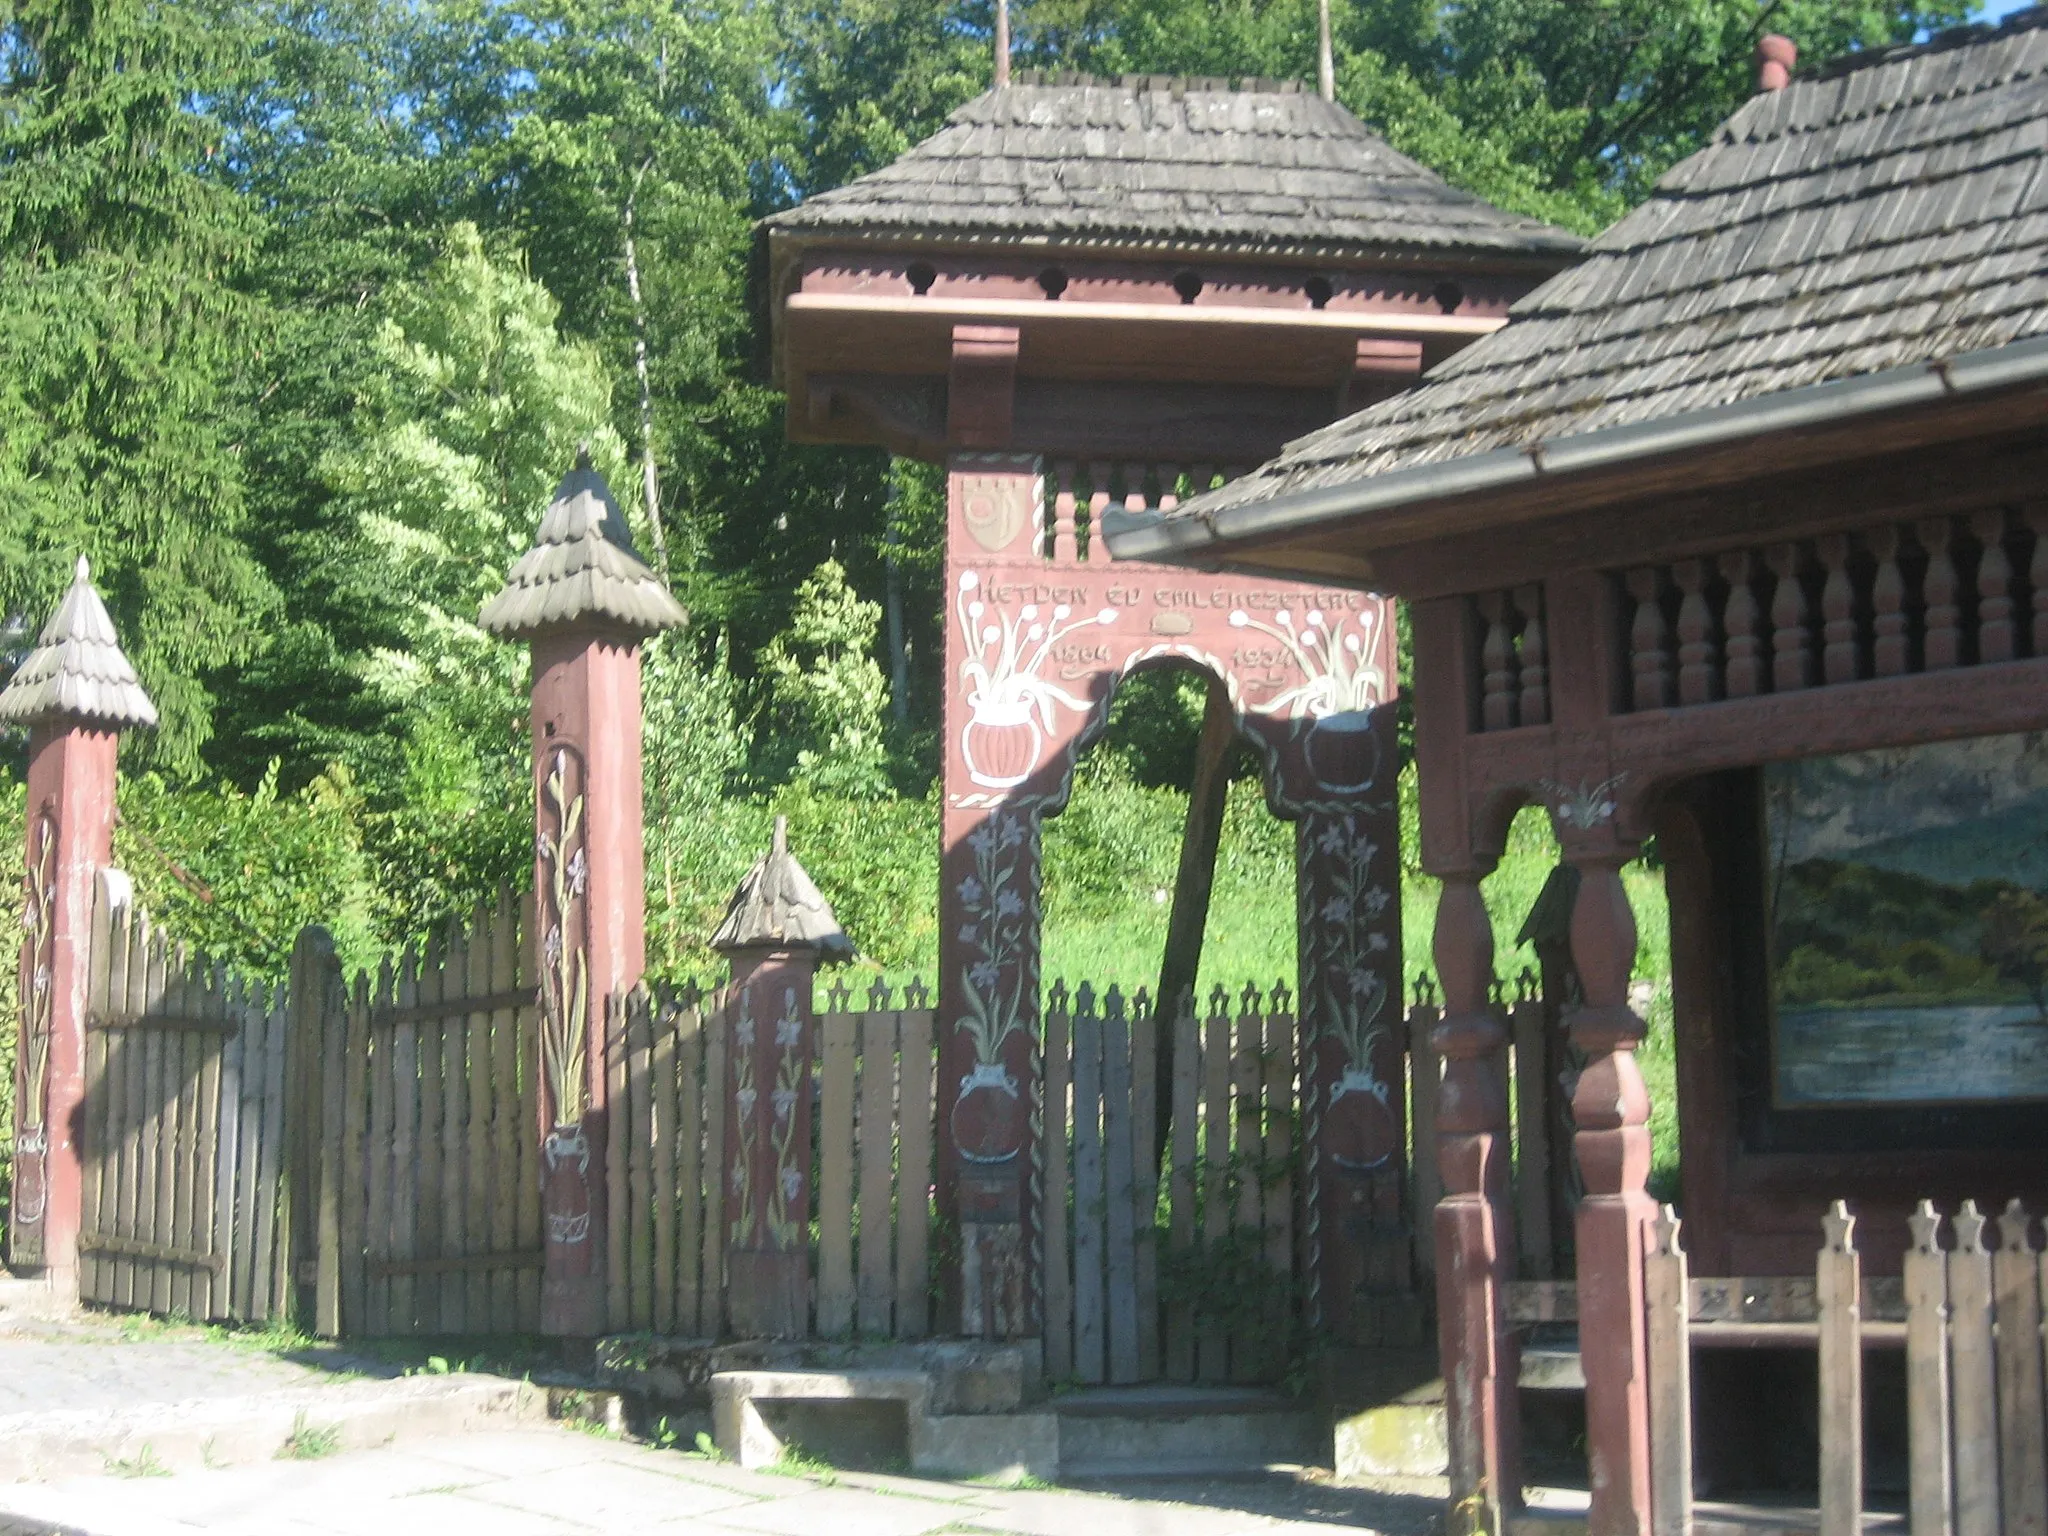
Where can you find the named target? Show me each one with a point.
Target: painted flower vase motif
(989, 1116)
(565, 1184)
(1343, 750)
(1359, 1129)
(1001, 743)
(31, 1175)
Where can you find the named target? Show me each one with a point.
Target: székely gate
(1069, 297)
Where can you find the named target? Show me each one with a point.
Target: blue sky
(1992, 10)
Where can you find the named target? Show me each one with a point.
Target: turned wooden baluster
(1474, 1232)
(1739, 619)
(1535, 668)
(1888, 644)
(2037, 580)
(1838, 610)
(1791, 634)
(1169, 487)
(1098, 503)
(1063, 514)
(1695, 634)
(1649, 641)
(1942, 644)
(1994, 588)
(1611, 1109)
(1497, 659)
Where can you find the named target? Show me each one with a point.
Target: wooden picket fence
(1967, 1312)
(1223, 1311)
(873, 1080)
(185, 1129)
(427, 1206)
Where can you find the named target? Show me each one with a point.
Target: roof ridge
(1044, 79)
(1968, 35)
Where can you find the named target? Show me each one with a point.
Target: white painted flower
(1034, 632)
(990, 634)
(1353, 644)
(792, 1184)
(1107, 616)
(1239, 618)
(1060, 611)
(975, 610)
(784, 1100)
(788, 1031)
(743, 1100)
(1315, 617)
(1030, 611)
(969, 581)
(744, 1033)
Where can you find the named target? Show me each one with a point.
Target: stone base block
(1002, 1446)
(1397, 1439)
(756, 1415)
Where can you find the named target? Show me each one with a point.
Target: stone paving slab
(544, 1481)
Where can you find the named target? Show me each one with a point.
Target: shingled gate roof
(1890, 211)
(778, 905)
(78, 668)
(1154, 162)
(582, 569)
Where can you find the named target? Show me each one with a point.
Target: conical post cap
(78, 669)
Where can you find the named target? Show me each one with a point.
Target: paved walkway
(558, 1482)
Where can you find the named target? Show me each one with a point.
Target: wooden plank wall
(1125, 1269)
(433, 1127)
(874, 1081)
(185, 1119)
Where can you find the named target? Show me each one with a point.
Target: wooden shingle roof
(78, 669)
(778, 906)
(1890, 211)
(582, 569)
(1158, 163)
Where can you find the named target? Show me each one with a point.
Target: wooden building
(1733, 537)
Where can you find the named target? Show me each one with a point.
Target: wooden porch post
(76, 692)
(584, 601)
(1474, 1233)
(1612, 1110)
(1474, 1236)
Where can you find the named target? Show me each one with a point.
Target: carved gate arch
(1040, 631)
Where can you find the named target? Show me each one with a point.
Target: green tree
(826, 695)
(479, 409)
(122, 332)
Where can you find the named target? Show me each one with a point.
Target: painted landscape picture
(1909, 924)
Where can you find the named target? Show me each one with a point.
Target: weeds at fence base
(309, 1442)
(143, 1463)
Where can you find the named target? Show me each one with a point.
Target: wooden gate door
(1199, 1286)
(184, 1130)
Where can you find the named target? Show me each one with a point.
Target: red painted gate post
(776, 930)
(76, 692)
(584, 601)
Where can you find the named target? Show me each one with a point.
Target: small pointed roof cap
(777, 906)
(78, 669)
(582, 569)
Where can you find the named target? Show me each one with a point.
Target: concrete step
(178, 1436)
(1397, 1427)
(1168, 1429)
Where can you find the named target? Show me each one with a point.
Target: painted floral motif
(1350, 955)
(565, 961)
(1585, 805)
(989, 1113)
(38, 920)
(1010, 706)
(1339, 674)
(779, 1224)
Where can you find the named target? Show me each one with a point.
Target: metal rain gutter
(1195, 534)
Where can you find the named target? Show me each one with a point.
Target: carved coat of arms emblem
(996, 509)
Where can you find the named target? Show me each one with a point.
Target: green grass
(795, 1461)
(143, 1463)
(309, 1442)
